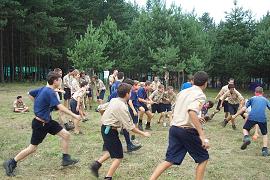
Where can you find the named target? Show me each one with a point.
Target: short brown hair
(259, 89)
(170, 87)
(52, 76)
(57, 70)
(200, 78)
(147, 83)
(123, 89)
(160, 86)
(136, 82)
(84, 83)
(230, 86)
(95, 77)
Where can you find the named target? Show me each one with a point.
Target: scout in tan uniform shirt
(186, 133)
(76, 105)
(156, 99)
(116, 116)
(168, 101)
(234, 100)
(19, 105)
(219, 97)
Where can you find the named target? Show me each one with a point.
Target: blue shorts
(90, 93)
(182, 141)
(101, 94)
(166, 107)
(134, 118)
(156, 108)
(233, 108)
(73, 105)
(250, 124)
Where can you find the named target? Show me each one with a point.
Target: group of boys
(128, 103)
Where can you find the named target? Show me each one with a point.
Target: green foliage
(88, 51)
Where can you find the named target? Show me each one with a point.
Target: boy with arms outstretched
(45, 100)
(186, 133)
(116, 116)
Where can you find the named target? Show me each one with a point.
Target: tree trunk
(20, 59)
(1, 58)
(36, 64)
(12, 65)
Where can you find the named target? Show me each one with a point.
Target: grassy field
(227, 161)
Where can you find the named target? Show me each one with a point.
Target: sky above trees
(216, 8)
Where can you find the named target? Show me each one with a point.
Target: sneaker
(9, 166)
(246, 142)
(94, 167)
(68, 127)
(135, 141)
(133, 147)
(224, 123)
(68, 161)
(233, 127)
(265, 151)
(140, 126)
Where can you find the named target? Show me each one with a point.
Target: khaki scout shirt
(168, 98)
(74, 85)
(156, 96)
(100, 85)
(117, 115)
(233, 98)
(189, 99)
(67, 81)
(223, 90)
(80, 93)
(17, 104)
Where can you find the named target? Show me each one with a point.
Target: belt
(185, 127)
(41, 120)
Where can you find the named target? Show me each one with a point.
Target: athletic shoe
(140, 126)
(135, 141)
(224, 123)
(233, 127)
(68, 161)
(265, 151)
(9, 166)
(94, 167)
(133, 147)
(68, 127)
(246, 142)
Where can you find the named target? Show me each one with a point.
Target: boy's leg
(256, 133)
(26, 152)
(113, 167)
(94, 167)
(246, 140)
(263, 128)
(160, 169)
(149, 118)
(77, 126)
(200, 170)
(140, 114)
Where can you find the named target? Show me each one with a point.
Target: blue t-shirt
(134, 99)
(258, 105)
(45, 102)
(113, 95)
(186, 85)
(115, 86)
(142, 94)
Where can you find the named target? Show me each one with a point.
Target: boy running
(186, 133)
(101, 89)
(219, 97)
(256, 116)
(143, 102)
(116, 116)
(235, 99)
(168, 101)
(67, 87)
(45, 101)
(156, 99)
(76, 105)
